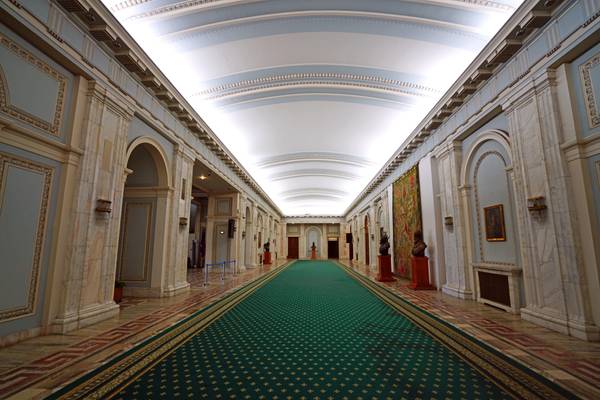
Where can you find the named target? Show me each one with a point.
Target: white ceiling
(312, 97)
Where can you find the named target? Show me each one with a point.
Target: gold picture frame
(495, 230)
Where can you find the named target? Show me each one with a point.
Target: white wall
(431, 219)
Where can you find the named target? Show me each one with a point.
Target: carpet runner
(312, 330)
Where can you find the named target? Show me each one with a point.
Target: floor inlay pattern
(16, 376)
(572, 362)
(312, 330)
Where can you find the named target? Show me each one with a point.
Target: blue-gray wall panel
(22, 193)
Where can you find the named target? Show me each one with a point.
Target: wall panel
(28, 194)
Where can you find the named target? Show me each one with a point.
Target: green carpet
(311, 331)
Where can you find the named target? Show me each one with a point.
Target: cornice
(507, 42)
(104, 28)
(317, 219)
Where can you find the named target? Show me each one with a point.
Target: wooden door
(333, 249)
(367, 255)
(293, 247)
(351, 251)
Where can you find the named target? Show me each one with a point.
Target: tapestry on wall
(407, 218)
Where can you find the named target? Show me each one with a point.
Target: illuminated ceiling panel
(312, 97)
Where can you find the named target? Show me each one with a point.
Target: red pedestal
(384, 269)
(313, 254)
(267, 257)
(420, 274)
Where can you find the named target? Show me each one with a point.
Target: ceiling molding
(418, 22)
(321, 172)
(192, 6)
(312, 192)
(303, 157)
(317, 79)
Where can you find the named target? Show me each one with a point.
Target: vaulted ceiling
(312, 97)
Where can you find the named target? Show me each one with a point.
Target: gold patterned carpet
(314, 329)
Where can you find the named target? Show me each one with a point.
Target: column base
(576, 329)
(455, 292)
(182, 287)
(86, 317)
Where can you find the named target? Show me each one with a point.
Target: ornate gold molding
(10, 160)
(589, 97)
(5, 106)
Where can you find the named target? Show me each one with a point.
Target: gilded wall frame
(589, 97)
(495, 228)
(51, 127)
(7, 161)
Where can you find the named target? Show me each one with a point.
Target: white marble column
(83, 284)
(555, 291)
(458, 274)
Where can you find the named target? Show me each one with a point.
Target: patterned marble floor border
(512, 376)
(15, 379)
(119, 372)
(573, 363)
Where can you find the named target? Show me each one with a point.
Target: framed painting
(495, 231)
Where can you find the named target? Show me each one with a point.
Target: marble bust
(419, 246)
(384, 244)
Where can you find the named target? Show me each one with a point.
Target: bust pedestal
(313, 254)
(420, 274)
(267, 257)
(384, 268)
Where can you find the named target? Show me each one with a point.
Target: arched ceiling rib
(312, 96)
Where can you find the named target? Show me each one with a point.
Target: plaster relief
(23, 80)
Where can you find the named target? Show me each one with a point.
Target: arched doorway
(248, 259)
(313, 235)
(351, 245)
(367, 239)
(141, 249)
(259, 236)
(491, 222)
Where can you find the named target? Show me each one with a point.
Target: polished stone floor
(572, 362)
(32, 368)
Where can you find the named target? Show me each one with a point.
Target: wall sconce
(103, 206)
(448, 221)
(255, 236)
(183, 221)
(372, 236)
(536, 204)
(243, 234)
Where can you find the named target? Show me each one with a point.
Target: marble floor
(32, 368)
(573, 363)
